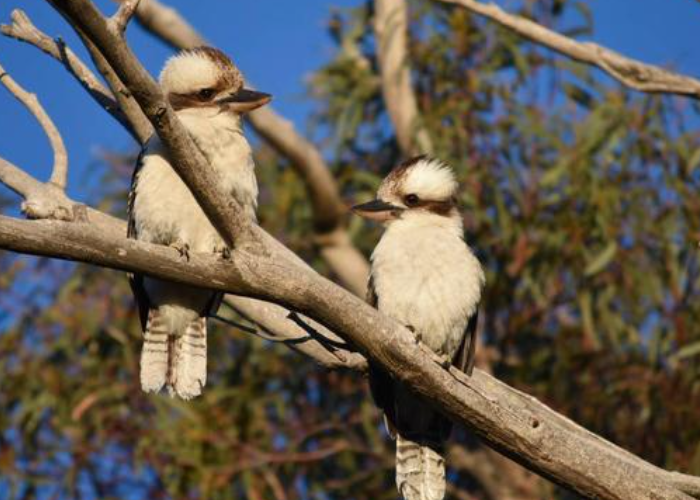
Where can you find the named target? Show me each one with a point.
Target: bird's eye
(411, 200)
(206, 93)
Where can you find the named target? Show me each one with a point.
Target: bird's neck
(418, 233)
(200, 121)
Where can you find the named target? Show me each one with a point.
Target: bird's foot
(445, 362)
(223, 251)
(182, 248)
(417, 335)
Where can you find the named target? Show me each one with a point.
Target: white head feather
(199, 68)
(428, 178)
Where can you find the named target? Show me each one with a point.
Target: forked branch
(59, 172)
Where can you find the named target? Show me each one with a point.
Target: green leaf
(601, 260)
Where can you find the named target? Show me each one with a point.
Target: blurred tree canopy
(580, 198)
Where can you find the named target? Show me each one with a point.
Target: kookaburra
(206, 90)
(424, 276)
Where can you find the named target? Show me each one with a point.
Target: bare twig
(59, 172)
(390, 30)
(123, 15)
(634, 74)
(137, 119)
(280, 328)
(23, 30)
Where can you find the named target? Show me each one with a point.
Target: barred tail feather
(420, 471)
(189, 368)
(155, 352)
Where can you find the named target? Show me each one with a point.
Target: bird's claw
(445, 362)
(224, 252)
(182, 248)
(417, 335)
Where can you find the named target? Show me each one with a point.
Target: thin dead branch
(131, 119)
(59, 172)
(634, 74)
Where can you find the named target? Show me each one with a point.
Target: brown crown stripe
(231, 76)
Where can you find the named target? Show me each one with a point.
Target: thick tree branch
(505, 418)
(23, 30)
(329, 210)
(390, 31)
(59, 172)
(634, 74)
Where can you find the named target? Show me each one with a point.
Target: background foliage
(578, 196)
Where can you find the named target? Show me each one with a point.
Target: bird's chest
(165, 210)
(430, 283)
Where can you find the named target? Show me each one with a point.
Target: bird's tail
(155, 354)
(172, 357)
(420, 470)
(189, 367)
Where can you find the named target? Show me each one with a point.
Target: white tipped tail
(189, 371)
(175, 361)
(420, 471)
(155, 353)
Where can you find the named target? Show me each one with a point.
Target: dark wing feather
(136, 280)
(381, 384)
(466, 354)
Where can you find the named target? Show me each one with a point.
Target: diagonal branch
(390, 31)
(59, 172)
(508, 420)
(634, 74)
(125, 112)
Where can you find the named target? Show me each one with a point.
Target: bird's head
(204, 77)
(420, 188)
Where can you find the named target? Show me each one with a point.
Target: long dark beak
(378, 210)
(245, 100)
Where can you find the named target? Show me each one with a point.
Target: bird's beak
(378, 210)
(244, 100)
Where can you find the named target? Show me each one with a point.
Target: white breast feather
(427, 277)
(165, 209)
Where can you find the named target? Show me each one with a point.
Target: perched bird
(424, 276)
(206, 90)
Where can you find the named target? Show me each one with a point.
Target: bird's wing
(136, 280)
(380, 382)
(466, 353)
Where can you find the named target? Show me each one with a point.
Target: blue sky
(277, 44)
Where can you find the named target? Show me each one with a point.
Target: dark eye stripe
(434, 206)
